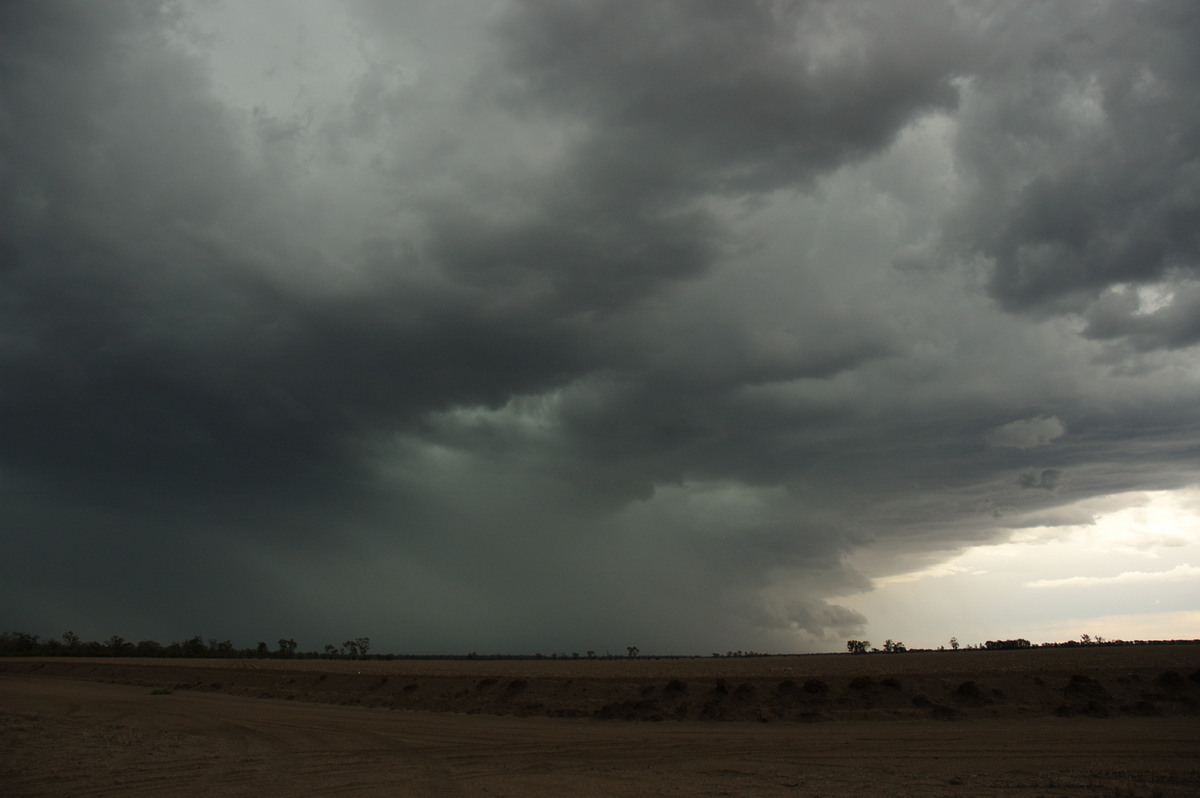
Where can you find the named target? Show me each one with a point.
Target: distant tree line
(1007, 645)
(864, 646)
(22, 644)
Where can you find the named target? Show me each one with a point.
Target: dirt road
(60, 737)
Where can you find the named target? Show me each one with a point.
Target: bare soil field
(1047, 722)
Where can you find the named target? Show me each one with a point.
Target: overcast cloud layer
(554, 326)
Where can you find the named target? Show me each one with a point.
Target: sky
(530, 326)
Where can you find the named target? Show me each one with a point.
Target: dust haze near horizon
(565, 326)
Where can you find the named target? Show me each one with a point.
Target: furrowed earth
(1119, 721)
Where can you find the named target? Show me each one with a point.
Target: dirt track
(68, 736)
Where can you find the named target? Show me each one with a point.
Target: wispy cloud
(1179, 573)
(1027, 433)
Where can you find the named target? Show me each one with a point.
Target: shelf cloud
(534, 326)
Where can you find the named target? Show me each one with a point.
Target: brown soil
(1052, 722)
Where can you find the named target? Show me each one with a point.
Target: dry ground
(1065, 722)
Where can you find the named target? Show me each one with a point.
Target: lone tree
(633, 651)
(858, 646)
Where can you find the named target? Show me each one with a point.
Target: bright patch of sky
(1130, 573)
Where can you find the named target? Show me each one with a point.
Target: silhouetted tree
(19, 644)
(194, 647)
(149, 648)
(858, 646)
(117, 646)
(1007, 645)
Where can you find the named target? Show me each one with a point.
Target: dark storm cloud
(139, 339)
(572, 259)
(1048, 479)
(713, 96)
(1118, 314)
(579, 325)
(1083, 132)
(670, 102)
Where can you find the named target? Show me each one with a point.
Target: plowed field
(1049, 722)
